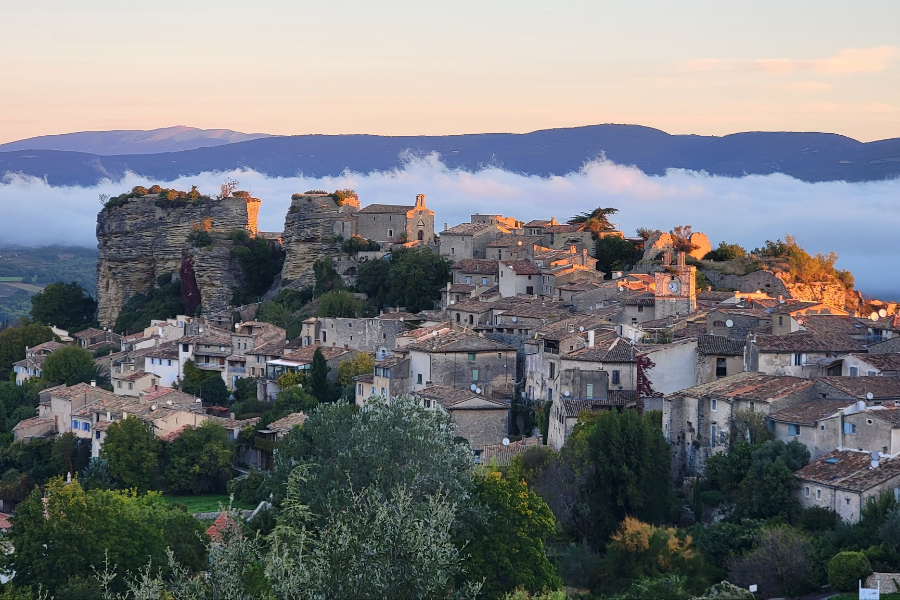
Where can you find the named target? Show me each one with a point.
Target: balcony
(210, 366)
(237, 370)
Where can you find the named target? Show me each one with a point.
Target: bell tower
(676, 287)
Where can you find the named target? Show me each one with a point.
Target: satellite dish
(478, 391)
(506, 441)
(874, 464)
(581, 328)
(869, 395)
(152, 407)
(621, 288)
(473, 387)
(566, 393)
(515, 319)
(729, 323)
(882, 313)
(874, 454)
(873, 316)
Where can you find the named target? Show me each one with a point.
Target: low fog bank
(859, 221)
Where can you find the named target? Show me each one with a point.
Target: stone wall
(481, 426)
(890, 582)
(762, 281)
(140, 241)
(309, 235)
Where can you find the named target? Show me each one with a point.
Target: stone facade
(140, 241)
(390, 223)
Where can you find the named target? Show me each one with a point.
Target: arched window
(457, 317)
(390, 233)
(421, 235)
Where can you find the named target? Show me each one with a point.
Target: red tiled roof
(849, 470)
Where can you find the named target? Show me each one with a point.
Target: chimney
(93, 383)
(590, 338)
(445, 227)
(669, 321)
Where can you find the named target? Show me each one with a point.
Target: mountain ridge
(809, 156)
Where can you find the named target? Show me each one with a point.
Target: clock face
(673, 287)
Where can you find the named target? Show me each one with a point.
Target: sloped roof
(882, 362)
(387, 208)
(481, 266)
(811, 411)
(573, 408)
(468, 228)
(748, 385)
(451, 398)
(802, 341)
(611, 349)
(522, 267)
(858, 387)
(458, 341)
(289, 422)
(502, 455)
(33, 422)
(849, 470)
(889, 414)
(720, 345)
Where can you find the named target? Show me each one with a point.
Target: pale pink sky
(403, 67)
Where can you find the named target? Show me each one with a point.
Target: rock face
(309, 234)
(661, 241)
(141, 241)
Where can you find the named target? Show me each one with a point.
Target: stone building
(479, 418)
(718, 356)
(844, 481)
(885, 365)
(364, 334)
(393, 223)
(818, 424)
(800, 354)
(469, 240)
(676, 288)
(459, 359)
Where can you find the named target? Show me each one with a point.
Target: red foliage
(644, 386)
(190, 292)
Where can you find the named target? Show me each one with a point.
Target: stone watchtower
(676, 287)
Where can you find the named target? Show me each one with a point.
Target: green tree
(292, 400)
(319, 386)
(198, 461)
(413, 278)
(597, 220)
(726, 251)
(71, 533)
(339, 304)
(780, 564)
(767, 490)
(131, 450)
(615, 253)
(846, 569)
(65, 305)
(327, 279)
(624, 460)
(13, 341)
(206, 385)
(69, 365)
(507, 547)
(360, 364)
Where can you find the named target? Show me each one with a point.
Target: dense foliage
(260, 262)
(64, 305)
(14, 340)
(131, 450)
(614, 253)
(198, 461)
(726, 251)
(801, 265)
(69, 365)
(164, 301)
(412, 278)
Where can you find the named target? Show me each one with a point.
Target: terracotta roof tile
(849, 470)
(720, 345)
(811, 411)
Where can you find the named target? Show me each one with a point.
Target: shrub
(846, 569)
(712, 497)
(199, 239)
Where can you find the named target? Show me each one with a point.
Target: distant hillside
(807, 156)
(107, 143)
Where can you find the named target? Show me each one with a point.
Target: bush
(726, 252)
(846, 569)
(712, 497)
(199, 239)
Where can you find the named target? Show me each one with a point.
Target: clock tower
(676, 287)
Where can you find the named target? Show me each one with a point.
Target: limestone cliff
(309, 234)
(139, 240)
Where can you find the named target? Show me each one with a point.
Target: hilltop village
(522, 335)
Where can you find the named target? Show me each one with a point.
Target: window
(640, 309)
(184, 348)
(97, 435)
(130, 386)
(589, 390)
(818, 493)
(822, 427)
(85, 426)
(871, 373)
(550, 395)
(168, 363)
(798, 360)
(390, 233)
(474, 374)
(615, 377)
(419, 378)
(850, 428)
(471, 357)
(452, 250)
(793, 429)
(484, 281)
(119, 384)
(74, 425)
(468, 280)
(712, 435)
(713, 404)
(359, 389)
(718, 323)
(781, 320)
(753, 406)
(552, 370)
(806, 491)
(721, 366)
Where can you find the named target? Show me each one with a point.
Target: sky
(398, 67)
(851, 219)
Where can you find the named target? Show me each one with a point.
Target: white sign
(870, 593)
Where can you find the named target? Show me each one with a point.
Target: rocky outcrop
(660, 241)
(140, 241)
(309, 234)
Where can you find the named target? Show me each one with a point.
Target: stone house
(845, 480)
(718, 356)
(392, 223)
(163, 362)
(535, 227)
(469, 240)
(297, 360)
(666, 368)
(479, 272)
(515, 247)
(461, 360)
(816, 423)
(35, 427)
(363, 334)
(638, 309)
(872, 429)
(737, 323)
(31, 366)
(885, 328)
(698, 421)
(59, 403)
(789, 316)
(872, 365)
(799, 354)
(565, 235)
(479, 418)
(876, 391)
(510, 223)
(471, 313)
(519, 277)
(132, 383)
(391, 378)
(93, 339)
